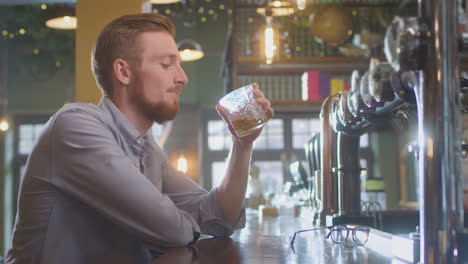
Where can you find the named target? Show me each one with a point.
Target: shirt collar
(120, 120)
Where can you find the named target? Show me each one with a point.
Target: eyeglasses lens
(360, 235)
(339, 234)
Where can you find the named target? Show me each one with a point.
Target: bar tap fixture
(313, 159)
(350, 115)
(428, 44)
(379, 83)
(348, 166)
(366, 95)
(328, 177)
(424, 79)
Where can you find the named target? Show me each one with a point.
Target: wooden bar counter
(267, 240)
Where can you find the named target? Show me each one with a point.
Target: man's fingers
(263, 102)
(266, 106)
(258, 93)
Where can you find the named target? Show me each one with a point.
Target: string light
(43, 6)
(202, 12)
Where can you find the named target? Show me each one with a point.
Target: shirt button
(140, 140)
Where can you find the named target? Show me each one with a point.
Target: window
(272, 136)
(218, 170)
(218, 136)
(303, 129)
(273, 149)
(28, 134)
(271, 175)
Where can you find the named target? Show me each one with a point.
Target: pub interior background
(327, 40)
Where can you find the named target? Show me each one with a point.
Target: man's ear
(121, 70)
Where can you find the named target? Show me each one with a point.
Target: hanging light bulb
(269, 41)
(182, 164)
(301, 4)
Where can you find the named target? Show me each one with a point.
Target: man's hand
(266, 106)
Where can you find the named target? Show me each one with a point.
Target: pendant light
(62, 17)
(190, 50)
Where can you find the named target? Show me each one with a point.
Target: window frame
(287, 152)
(19, 159)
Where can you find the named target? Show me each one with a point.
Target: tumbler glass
(242, 111)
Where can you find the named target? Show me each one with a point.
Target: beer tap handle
(405, 43)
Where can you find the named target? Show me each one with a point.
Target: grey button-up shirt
(96, 191)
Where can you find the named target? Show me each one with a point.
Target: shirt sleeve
(88, 163)
(202, 205)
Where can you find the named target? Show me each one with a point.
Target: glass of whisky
(242, 111)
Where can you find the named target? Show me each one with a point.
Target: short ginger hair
(119, 40)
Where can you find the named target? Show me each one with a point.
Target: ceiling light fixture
(278, 8)
(190, 50)
(301, 4)
(62, 18)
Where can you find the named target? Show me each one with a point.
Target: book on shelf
(319, 85)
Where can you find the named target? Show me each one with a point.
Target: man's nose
(181, 77)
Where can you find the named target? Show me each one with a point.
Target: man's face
(157, 81)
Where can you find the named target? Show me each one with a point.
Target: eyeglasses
(339, 234)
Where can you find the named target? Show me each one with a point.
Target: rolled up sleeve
(202, 205)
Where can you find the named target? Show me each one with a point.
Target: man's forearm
(231, 191)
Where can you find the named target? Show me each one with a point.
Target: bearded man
(97, 188)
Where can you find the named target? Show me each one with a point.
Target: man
(97, 188)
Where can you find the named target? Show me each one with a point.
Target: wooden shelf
(344, 65)
(296, 106)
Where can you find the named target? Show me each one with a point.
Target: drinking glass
(242, 111)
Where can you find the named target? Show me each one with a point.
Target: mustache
(177, 89)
